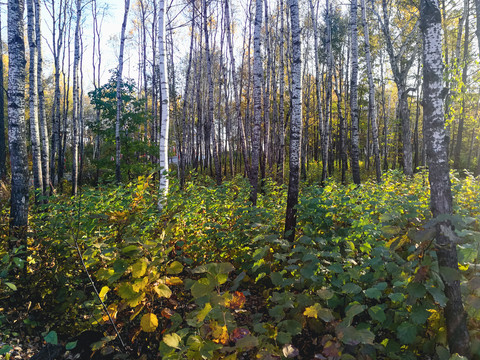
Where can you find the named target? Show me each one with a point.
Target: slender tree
(42, 120)
(17, 129)
(440, 187)
(372, 106)
(33, 104)
(76, 98)
(118, 153)
(295, 124)
(257, 101)
(354, 93)
(3, 147)
(165, 119)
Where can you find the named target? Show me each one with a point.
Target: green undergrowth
(211, 277)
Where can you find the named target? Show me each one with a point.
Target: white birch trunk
(33, 105)
(75, 120)
(354, 93)
(118, 152)
(42, 120)
(164, 109)
(440, 187)
(295, 124)
(257, 102)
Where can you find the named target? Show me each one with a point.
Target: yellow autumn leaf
(139, 268)
(174, 281)
(219, 333)
(103, 292)
(149, 322)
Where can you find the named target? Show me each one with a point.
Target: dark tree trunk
(440, 187)
(295, 124)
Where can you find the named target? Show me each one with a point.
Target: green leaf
(172, 340)
(325, 294)
(438, 295)
(139, 268)
(130, 250)
(352, 336)
(71, 345)
(247, 342)
(174, 268)
(449, 274)
(292, 327)
(277, 279)
(163, 290)
(5, 349)
(284, 338)
(373, 293)
(416, 290)
(51, 338)
(377, 313)
(354, 310)
(351, 288)
(11, 286)
(397, 297)
(419, 315)
(202, 287)
(406, 333)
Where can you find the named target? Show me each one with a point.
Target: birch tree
(296, 123)
(165, 119)
(437, 158)
(3, 147)
(354, 92)
(42, 120)
(257, 101)
(118, 153)
(33, 105)
(75, 111)
(17, 131)
(372, 106)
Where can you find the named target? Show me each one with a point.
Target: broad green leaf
(51, 338)
(139, 268)
(202, 287)
(174, 268)
(376, 313)
(449, 274)
(292, 327)
(126, 291)
(5, 349)
(11, 286)
(284, 337)
(351, 288)
(163, 290)
(438, 295)
(354, 310)
(397, 297)
(277, 279)
(373, 293)
(172, 340)
(419, 315)
(71, 345)
(352, 336)
(247, 342)
(325, 294)
(416, 290)
(406, 332)
(149, 323)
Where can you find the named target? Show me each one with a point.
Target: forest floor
(211, 277)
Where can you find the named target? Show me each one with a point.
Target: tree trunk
(295, 124)
(461, 121)
(118, 152)
(33, 105)
(165, 119)
(372, 106)
(75, 119)
(3, 147)
(440, 187)
(257, 102)
(17, 130)
(42, 119)
(354, 93)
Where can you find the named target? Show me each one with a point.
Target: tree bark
(164, 109)
(372, 106)
(440, 187)
(295, 124)
(33, 104)
(257, 102)
(354, 93)
(118, 152)
(42, 119)
(3, 147)
(17, 130)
